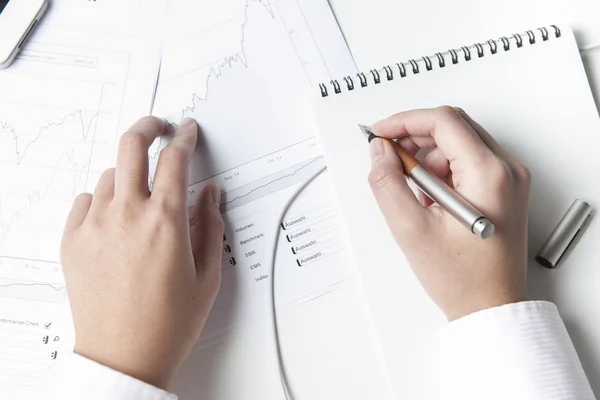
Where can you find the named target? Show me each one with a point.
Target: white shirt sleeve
(518, 351)
(76, 377)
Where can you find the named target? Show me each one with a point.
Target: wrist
(473, 305)
(127, 362)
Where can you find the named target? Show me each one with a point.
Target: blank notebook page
(536, 102)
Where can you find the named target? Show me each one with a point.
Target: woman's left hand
(140, 286)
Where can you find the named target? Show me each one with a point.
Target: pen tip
(367, 132)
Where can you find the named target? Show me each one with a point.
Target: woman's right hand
(461, 272)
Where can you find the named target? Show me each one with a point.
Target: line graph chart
(229, 54)
(227, 45)
(21, 149)
(243, 84)
(34, 280)
(56, 159)
(51, 149)
(32, 290)
(263, 176)
(271, 184)
(88, 73)
(242, 69)
(69, 160)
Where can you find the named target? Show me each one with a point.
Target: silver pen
(439, 192)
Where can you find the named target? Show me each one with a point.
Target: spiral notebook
(531, 93)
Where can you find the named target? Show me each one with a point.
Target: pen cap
(565, 235)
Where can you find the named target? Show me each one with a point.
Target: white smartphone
(18, 18)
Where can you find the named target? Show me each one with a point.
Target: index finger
(172, 172)
(452, 134)
(131, 174)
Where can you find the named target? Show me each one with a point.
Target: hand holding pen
(439, 191)
(461, 272)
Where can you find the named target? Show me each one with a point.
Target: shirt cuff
(516, 351)
(76, 377)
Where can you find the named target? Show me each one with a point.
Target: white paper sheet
(87, 73)
(243, 70)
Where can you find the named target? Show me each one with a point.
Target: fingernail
(215, 193)
(376, 149)
(186, 123)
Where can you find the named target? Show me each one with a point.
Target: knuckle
(500, 172)
(381, 177)
(120, 218)
(217, 225)
(211, 222)
(164, 204)
(163, 226)
(169, 202)
(150, 119)
(459, 110)
(172, 155)
(107, 177)
(409, 145)
(108, 173)
(522, 172)
(446, 111)
(169, 197)
(83, 198)
(164, 223)
(126, 210)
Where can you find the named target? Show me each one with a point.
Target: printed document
(87, 73)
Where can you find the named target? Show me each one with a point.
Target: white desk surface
(328, 343)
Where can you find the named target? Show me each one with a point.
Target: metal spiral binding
(441, 60)
(415, 65)
(479, 48)
(467, 52)
(454, 56)
(389, 73)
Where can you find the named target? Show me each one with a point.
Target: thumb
(403, 213)
(207, 234)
